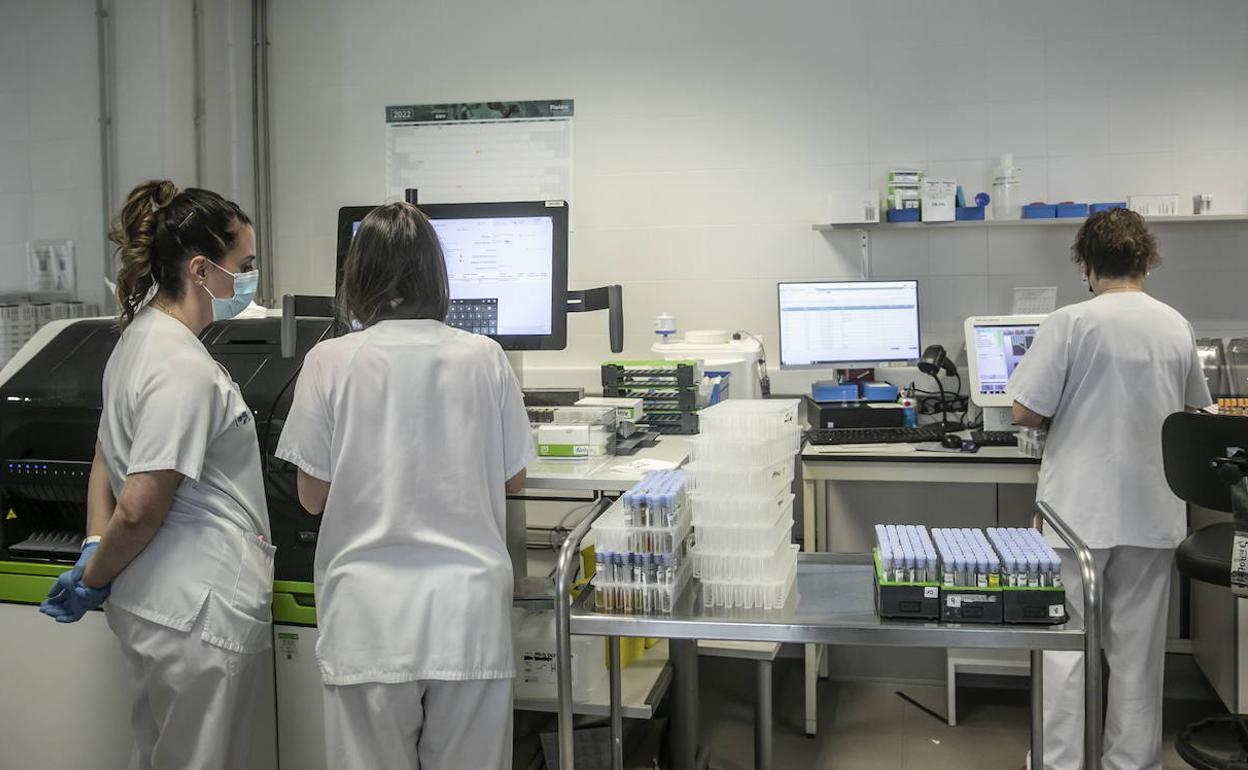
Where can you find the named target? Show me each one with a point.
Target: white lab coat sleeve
(308, 433)
(1196, 394)
(518, 449)
(1038, 380)
(178, 414)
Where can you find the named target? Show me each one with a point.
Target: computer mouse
(951, 441)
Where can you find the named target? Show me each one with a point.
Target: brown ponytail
(158, 229)
(132, 233)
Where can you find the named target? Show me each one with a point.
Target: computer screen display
(506, 264)
(847, 322)
(998, 349)
(499, 268)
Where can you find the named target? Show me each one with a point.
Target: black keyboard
(828, 436)
(994, 437)
(479, 316)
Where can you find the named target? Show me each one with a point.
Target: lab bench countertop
(607, 474)
(832, 603)
(915, 453)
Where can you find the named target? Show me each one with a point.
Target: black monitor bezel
(918, 324)
(557, 210)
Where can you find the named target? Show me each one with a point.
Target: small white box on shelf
(939, 200)
(851, 208)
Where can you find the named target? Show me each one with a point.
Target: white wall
(708, 132)
(49, 137)
(49, 113)
(155, 96)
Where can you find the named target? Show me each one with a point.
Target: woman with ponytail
(177, 527)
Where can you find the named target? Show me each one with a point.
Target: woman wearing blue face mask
(177, 526)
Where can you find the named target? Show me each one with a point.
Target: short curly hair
(1115, 244)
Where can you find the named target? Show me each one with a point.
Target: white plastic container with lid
(719, 352)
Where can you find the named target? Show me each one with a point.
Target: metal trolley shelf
(834, 604)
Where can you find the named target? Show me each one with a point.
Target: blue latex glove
(61, 595)
(75, 603)
(65, 582)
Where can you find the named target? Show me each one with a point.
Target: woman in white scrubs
(407, 434)
(1104, 374)
(178, 530)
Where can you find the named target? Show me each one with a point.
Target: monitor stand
(999, 418)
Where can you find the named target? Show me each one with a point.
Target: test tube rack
(1031, 577)
(1007, 576)
(907, 577)
(970, 577)
(641, 547)
(668, 389)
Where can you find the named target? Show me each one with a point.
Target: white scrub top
(169, 406)
(417, 427)
(1108, 372)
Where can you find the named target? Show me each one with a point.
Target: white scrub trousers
(1135, 590)
(425, 725)
(194, 702)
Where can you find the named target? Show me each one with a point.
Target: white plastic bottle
(1005, 180)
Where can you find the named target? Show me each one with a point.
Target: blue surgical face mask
(244, 292)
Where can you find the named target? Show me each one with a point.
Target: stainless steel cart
(832, 604)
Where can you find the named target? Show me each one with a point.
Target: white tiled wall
(49, 111)
(49, 137)
(708, 133)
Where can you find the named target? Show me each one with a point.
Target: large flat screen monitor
(994, 346)
(839, 323)
(507, 264)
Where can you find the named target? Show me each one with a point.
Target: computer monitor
(507, 265)
(994, 346)
(838, 323)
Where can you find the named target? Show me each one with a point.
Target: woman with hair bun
(1104, 374)
(177, 527)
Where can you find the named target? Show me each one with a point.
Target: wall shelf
(1062, 222)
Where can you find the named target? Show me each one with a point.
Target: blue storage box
(1096, 207)
(879, 391)
(1039, 211)
(1072, 210)
(969, 213)
(831, 390)
(903, 215)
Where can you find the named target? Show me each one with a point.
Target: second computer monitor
(994, 346)
(838, 323)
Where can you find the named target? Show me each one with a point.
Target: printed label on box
(288, 646)
(540, 667)
(953, 601)
(931, 592)
(1057, 610)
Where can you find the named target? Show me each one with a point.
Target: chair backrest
(1188, 443)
